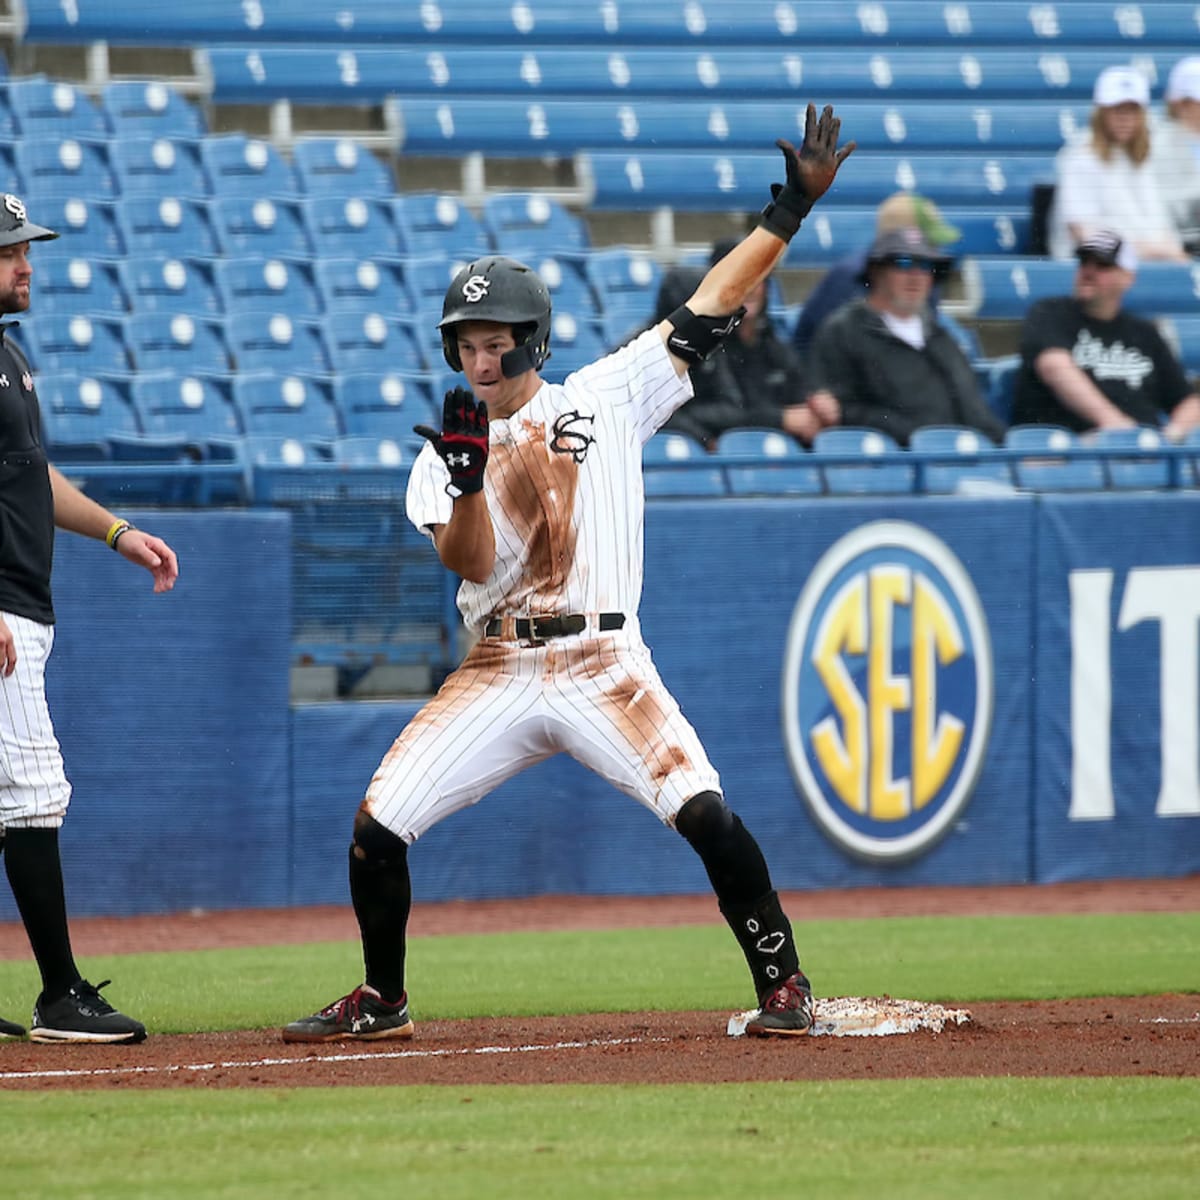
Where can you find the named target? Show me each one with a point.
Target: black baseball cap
(1107, 249)
(15, 225)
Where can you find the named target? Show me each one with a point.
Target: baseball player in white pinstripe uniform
(532, 493)
(34, 792)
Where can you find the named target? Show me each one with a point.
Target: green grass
(927, 1139)
(688, 967)
(922, 1139)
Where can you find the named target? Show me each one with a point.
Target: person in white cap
(1088, 364)
(1105, 179)
(1175, 151)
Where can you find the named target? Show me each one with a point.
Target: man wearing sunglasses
(886, 360)
(1088, 364)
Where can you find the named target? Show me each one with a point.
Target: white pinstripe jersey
(564, 488)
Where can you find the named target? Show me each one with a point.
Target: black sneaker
(10, 1029)
(83, 1015)
(364, 1015)
(786, 1012)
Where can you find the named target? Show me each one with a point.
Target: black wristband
(786, 210)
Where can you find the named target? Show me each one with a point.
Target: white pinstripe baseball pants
(34, 791)
(510, 705)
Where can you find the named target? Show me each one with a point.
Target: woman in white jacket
(1105, 178)
(1176, 150)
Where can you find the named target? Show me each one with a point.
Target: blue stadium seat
(999, 379)
(261, 225)
(1145, 469)
(78, 285)
(282, 450)
(185, 343)
(48, 108)
(87, 228)
(351, 227)
(10, 176)
(687, 180)
(364, 284)
(371, 341)
(386, 404)
(194, 409)
(159, 166)
(437, 224)
(366, 450)
(179, 226)
(293, 405)
(68, 166)
(766, 462)
(859, 470)
(569, 291)
(8, 123)
(80, 414)
(277, 341)
(75, 343)
(161, 283)
(952, 458)
(675, 465)
(1165, 288)
(528, 225)
(268, 284)
(149, 108)
(428, 280)
(1056, 460)
(999, 288)
(574, 342)
(1182, 331)
(339, 166)
(625, 281)
(244, 166)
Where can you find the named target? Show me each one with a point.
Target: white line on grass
(367, 1056)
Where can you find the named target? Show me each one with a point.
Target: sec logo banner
(887, 691)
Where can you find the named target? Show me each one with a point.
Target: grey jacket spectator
(887, 360)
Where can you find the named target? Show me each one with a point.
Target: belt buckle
(535, 638)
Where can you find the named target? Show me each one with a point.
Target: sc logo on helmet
(887, 691)
(476, 288)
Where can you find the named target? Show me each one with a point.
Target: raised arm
(695, 329)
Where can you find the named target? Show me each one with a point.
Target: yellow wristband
(114, 531)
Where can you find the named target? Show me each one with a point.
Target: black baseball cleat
(786, 1012)
(10, 1030)
(83, 1015)
(364, 1015)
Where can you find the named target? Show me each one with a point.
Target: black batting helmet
(500, 289)
(15, 225)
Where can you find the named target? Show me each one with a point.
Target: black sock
(35, 874)
(382, 897)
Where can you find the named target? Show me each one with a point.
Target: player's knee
(705, 821)
(374, 844)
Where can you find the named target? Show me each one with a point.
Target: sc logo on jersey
(887, 691)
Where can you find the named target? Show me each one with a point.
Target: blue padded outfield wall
(899, 692)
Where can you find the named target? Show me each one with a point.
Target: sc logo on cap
(887, 691)
(15, 205)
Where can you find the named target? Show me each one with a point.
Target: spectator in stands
(846, 279)
(1104, 178)
(34, 792)
(755, 380)
(1175, 151)
(1087, 364)
(886, 359)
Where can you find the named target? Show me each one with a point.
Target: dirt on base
(1144, 1035)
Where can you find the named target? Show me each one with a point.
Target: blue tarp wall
(899, 692)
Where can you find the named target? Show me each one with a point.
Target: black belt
(541, 629)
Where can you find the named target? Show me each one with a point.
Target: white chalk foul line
(362, 1056)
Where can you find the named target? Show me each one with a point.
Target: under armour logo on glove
(462, 441)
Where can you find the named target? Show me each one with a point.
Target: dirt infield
(1157, 1035)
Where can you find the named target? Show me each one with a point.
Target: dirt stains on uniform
(536, 490)
(639, 716)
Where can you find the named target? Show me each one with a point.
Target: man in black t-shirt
(1087, 364)
(34, 792)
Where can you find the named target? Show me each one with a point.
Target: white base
(870, 1016)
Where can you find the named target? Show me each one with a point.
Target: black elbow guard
(694, 338)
